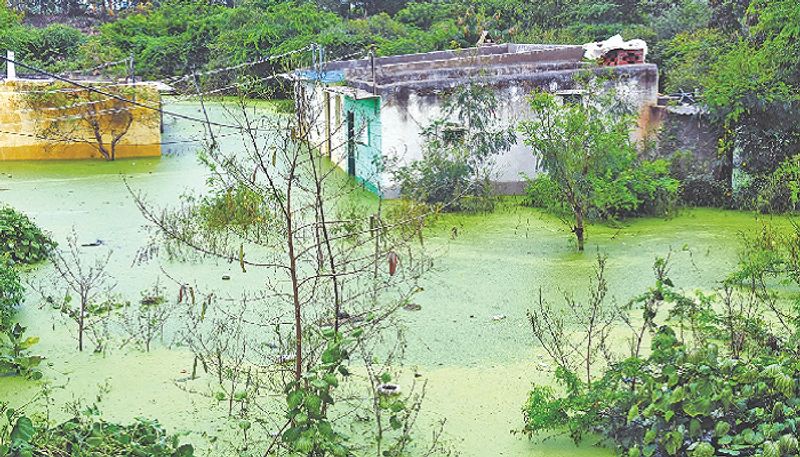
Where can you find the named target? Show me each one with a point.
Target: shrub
(681, 401)
(10, 292)
(15, 358)
(458, 153)
(86, 435)
(640, 188)
(720, 377)
(542, 192)
(21, 239)
(444, 178)
(780, 191)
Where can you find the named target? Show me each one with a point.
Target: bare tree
(84, 292)
(335, 274)
(68, 116)
(575, 335)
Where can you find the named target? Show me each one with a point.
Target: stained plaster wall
(20, 138)
(405, 112)
(405, 107)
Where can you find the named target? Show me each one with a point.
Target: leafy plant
(87, 435)
(592, 165)
(308, 400)
(20, 239)
(456, 169)
(720, 376)
(11, 292)
(15, 359)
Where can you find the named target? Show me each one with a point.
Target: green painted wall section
(367, 114)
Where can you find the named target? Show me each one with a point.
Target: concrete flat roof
(493, 64)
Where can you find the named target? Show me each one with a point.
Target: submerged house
(366, 112)
(44, 119)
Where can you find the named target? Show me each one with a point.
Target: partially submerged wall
(409, 90)
(40, 120)
(406, 111)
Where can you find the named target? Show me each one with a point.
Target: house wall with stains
(34, 127)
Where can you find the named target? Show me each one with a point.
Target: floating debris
(498, 317)
(389, 390)
(93, 244)
(226, 277)
(412, 307)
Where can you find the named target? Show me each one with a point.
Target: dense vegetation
(720, 377)
(739, 57)
(87, 435)
(21, 243)
(593, 169)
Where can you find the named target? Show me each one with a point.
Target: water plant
(719, 378)
(22, 240)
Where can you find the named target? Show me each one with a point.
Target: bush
(20, 239)
(444, 178)
(458, 153)
(720, 377)
(86, 435)
(15, 358)
(780, 192)
(542, 192)
(682, 401)
(10, 292)
(641, 189)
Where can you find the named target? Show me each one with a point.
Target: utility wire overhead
(126, 100)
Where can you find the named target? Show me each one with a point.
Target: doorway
(351, 143)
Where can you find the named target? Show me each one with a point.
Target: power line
(83, 140)
(241, 65)
(123, 99)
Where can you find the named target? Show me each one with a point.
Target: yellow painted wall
(26, 124)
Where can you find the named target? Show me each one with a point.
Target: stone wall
(40, 120)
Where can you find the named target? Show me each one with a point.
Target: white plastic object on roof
(597, 49)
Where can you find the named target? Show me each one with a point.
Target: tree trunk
(80, 327)
(579, 229)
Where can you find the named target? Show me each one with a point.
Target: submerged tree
(334, 275)
(458, 152)
(84, 292)
(70, 116)
(590, 161)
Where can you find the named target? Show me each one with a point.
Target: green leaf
(23, 431)
(633, 413)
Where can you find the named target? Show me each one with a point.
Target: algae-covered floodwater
(478, 368)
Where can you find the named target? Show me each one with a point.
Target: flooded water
(470, 340)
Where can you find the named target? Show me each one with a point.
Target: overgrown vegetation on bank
(705, 374)
(21, 243)
(740, 58)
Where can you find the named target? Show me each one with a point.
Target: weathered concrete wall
(405, 112)
(410, 89)
(35, 126)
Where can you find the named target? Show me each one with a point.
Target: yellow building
(47, 120)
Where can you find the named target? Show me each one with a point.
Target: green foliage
(11, 292)
(455, 171)
(237, 208)
(542, 192)
(87, 435)
(592, 165)
(681, 402)
(688, 56)
(20, 239)
(720, 377)
(54, 47)
(308, 400)
(781, 190)
(15, 357)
